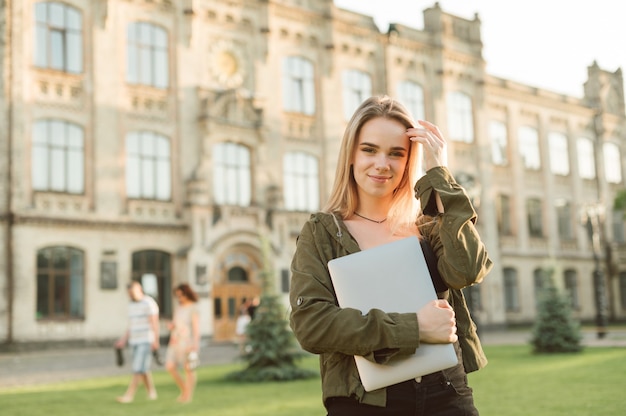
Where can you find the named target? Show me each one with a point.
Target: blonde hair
(343, 198)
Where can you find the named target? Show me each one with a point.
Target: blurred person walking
(142, 336)
(182, 349)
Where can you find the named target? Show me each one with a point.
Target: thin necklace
(369, 219)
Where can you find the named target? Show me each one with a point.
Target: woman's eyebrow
(377, 146)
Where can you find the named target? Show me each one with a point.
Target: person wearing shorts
(142, 336)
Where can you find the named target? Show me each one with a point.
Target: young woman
(373, 202)
(182, 350)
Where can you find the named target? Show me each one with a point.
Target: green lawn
(515, 382)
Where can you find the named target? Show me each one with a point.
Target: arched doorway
(237, 281)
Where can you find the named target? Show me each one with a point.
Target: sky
(541, 43)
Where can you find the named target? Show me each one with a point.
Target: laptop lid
(392, 277)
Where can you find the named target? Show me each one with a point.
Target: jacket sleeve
(462, 256)
(321, 326)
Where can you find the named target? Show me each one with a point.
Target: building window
(535, 217)
(237, 274)
(154, 266)
(147, 62)
(58, 37)
(460, 117)
(511, 290)
(541, 278)
(301, 182)
(411, 95)
(357, 86)
(298, 85)
(231, 178)
(571, 288)
(586, 158)
(58, 157)
(60, 283)
(622, 290)
(148, 166)
(612, 164)
(499, 143)
(559, 154)
(529, 148)
(564, 219)
(503, 206)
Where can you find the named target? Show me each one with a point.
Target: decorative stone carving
(226, 65)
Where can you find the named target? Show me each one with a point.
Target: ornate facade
(160, 140)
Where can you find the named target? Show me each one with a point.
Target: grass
(516, 382)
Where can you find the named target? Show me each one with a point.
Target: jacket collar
(336, 228)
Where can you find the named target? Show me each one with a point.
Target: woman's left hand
(433, 144)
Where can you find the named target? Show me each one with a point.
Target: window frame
(140, 162)
(72, 291)
(236, 170)
(460, 117)
(50, 35)
(528, 147)
(58, 157)
(298, 85)
(559, 153)
(145, 57)
(585, 150)
(411, 95)
(301, 182)
(498, 135)
(357, 87)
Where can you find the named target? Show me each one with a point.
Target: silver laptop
(392, 277)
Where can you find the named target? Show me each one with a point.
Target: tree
(271, 351)
(555, 329)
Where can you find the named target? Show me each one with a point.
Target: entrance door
(228, 296)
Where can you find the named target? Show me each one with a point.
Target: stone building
(160, 140)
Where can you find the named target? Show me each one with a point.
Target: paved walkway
(58, 365)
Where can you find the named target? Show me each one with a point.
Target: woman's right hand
(433, 144)
(436, 322)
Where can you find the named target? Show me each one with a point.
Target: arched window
(357, 86)
(58, 157)
(301, 182)
(559, 153)
(58, 37)
(499, 143)
(411, 95)
(148, 166)
(153, 269)
(541, 279)
(298, 85)
(570, 278)
(612, 163)
(528, 145)
(511, 290)
(60, 283)
(147, 49)
(232, 174)
(586, 158)
(237, 274)
(460, 117)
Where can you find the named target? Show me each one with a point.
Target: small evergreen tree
(271, 351)
(555, 329)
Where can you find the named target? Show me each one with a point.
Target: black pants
(438, 394)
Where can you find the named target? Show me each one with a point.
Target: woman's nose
(382, 162)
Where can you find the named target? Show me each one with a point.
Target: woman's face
(380, 157)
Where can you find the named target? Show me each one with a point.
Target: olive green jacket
(337, 334)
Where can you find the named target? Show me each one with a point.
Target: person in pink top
(182, 350)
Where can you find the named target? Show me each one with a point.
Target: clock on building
(226, 65)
